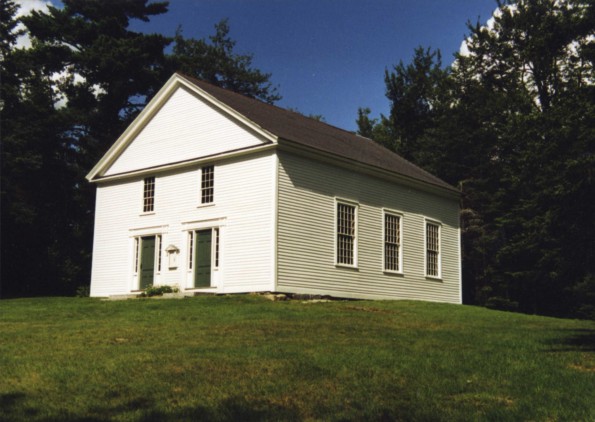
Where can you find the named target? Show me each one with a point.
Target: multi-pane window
(190, 249)
(346, 234)
(207, 185)
(432, 250)
(149, 194)
(159, 253)
(216, 230)
(136, 253)
(392, 242)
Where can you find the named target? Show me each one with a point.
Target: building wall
(243, 209)
(306, 234)
(184, 128)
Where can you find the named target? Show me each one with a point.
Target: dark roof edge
(431, 179)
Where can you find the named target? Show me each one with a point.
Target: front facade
(210, 191)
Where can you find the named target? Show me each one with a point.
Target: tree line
(510, 123)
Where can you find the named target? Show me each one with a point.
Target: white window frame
(355, 206)
(438, 224)
(201, 188)
(144, 210)
(398, 215)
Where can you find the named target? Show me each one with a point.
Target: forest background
(510, 123)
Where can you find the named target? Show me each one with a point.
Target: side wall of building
(243, 211)
(308, 193)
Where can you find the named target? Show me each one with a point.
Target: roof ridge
(294, 126)
(297, 113)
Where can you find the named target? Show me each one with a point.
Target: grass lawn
(245, 358)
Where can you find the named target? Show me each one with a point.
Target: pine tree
(215, 61)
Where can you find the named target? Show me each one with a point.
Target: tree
(537, 58)
(511, 124)
(217, 63)
(414, 93)
(76, 87)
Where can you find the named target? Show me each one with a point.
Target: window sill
(147, 213)
(210, 204)
(395, 273)
(433, 278)
(347, 267)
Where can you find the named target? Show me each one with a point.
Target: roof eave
(293, 146)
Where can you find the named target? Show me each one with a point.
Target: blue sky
(326, 56)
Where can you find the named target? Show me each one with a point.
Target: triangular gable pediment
(182, 123)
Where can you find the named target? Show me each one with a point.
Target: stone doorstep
(122, 297)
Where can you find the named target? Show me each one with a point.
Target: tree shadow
(578, 340)
(231, 409)
(11, 407)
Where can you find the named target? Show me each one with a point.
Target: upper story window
(207, 185)
(392, 242)
(346, 234)
(432, 249)
(149, 195)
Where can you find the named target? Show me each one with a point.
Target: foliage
(217, 63)
(158, 290)
(83, 291)
(247, 358)
(510, 123)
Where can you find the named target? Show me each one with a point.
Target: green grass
(245, 358)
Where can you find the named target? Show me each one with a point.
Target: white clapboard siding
(243, 207)
(306, 234)
(186, 127)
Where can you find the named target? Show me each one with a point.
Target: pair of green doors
(202, 259)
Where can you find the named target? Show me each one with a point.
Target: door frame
(159, 232)
(217, 229)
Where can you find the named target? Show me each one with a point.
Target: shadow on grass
(580, 340)
(231, 409)
(12, 407)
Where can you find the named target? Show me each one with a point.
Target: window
(346, 234)
(392, 242)
(216, 230)
(158, 253)
(190, 249)
(136, 254)
(207, 185)
(149, 195)
(432, 249)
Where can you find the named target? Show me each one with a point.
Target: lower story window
(392, 242)
(432, 249)
(346, 234)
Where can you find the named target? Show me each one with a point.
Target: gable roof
(311, 133)
(278, 126)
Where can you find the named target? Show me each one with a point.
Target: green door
(202, 258)
(147, 261)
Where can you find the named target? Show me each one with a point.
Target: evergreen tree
(511, 124)
(217, 63)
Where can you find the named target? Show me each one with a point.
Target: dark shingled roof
(312, 133)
